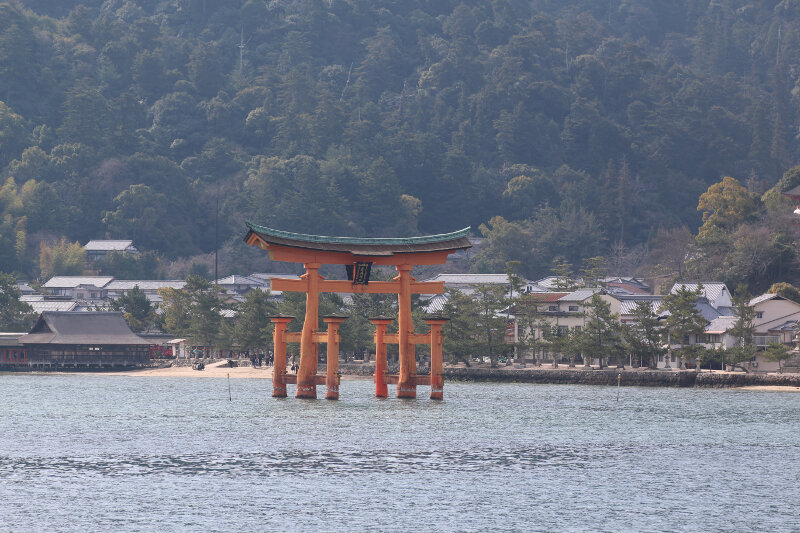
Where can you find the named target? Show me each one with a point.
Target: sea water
(115, 453)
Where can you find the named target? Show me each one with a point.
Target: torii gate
(358, 254)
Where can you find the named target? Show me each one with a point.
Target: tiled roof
(266, 276)
(628, 305)
(57, 305)
(70, 282)
(240, 280)
(579, 295)
(711, 289)
(145, 285)
(359, 246)
(547, 297)
(471, 279)
(82, 328)
(789, 325)
(721, 324)
(100, 245)
(435, 304)
(764, 297)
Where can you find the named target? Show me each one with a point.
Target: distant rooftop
(145, 284)
(99, 245)
(70, 282)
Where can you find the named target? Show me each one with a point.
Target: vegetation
(569, 130)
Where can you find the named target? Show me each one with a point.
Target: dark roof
(71, 327)
(793, 193)
(457, 240)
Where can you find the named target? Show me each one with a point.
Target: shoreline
(537, 375)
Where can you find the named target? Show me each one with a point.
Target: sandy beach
(214, 370)
(773, 388)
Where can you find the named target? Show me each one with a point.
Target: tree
(726, 205)
(460, 339)
(252, 327)
(137, 309)
(491, 300)
(645, 335)
(63, 259)
(742, 330)
(14, 314)
(778, 352)
(601, 334)
(683, 319)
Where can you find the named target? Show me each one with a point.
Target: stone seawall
(641, 378)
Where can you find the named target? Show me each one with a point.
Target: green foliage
(252, 327)
(14, 315)
(62, 259)
(684, 319)
(601, 334)
(137, 309)
(562, 127)
(129, 266)
(644, 337)
(787, 290)
(778, 352)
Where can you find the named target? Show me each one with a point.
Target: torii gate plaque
(358, 254)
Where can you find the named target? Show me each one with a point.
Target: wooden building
(12, 353)
(84, 340)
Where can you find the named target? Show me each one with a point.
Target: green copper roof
(367, 241)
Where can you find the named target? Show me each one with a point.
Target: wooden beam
(373, 287)
(415, 338)
(320, 337)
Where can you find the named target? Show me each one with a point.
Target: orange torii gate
(358, 254)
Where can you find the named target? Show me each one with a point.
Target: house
(776, 319)
(241, 285)
(266, 279)
(715, 293)
(120, 287)
(83, 340)
(78, 287)
(98, 249)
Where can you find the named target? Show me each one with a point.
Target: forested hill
(596, 121)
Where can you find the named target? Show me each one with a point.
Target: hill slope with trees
(570, 129)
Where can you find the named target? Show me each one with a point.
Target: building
(79, 287)
(98, 249)
(84, 340)
(241, 285)
(120, 287)
(12, 353)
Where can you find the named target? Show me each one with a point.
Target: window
(686, 339)
(759, 314)
(562, 330)
(578, 328)
(712, 338)
(552, 308)
(94, 295)
(573, 308)
(80, 295)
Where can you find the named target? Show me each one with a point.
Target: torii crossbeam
(358, 254)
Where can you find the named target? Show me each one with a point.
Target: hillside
(596, 123)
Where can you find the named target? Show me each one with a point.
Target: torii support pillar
(332, 371)
(309, 349)
(381, 388)
(279, 348)
(437, 383)
(407, 379)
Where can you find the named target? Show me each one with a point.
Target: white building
(98, 249)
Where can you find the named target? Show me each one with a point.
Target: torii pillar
(279, 350)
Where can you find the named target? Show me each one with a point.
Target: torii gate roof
(347, 249)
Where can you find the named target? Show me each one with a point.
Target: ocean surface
(115, 453)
